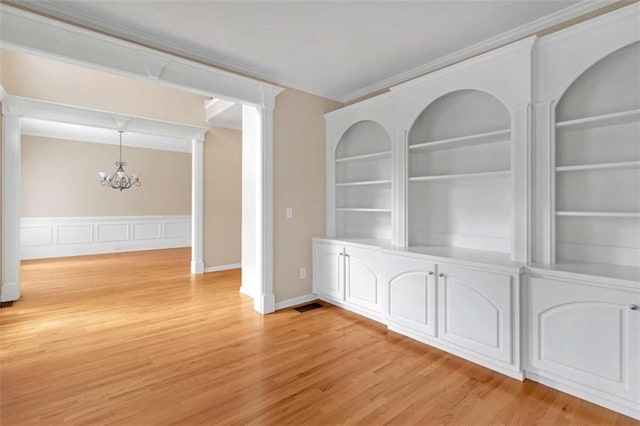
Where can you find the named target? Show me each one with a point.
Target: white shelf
(600, 166)
(601, 120)
(463, 141)
(365, 183)
(599, 214)
(500, 173)
(364, 157)
(362, 210)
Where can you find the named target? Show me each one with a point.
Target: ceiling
(340, 49)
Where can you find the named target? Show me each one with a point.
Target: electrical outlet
(289, 213)
(303, 273)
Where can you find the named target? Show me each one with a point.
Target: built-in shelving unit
(459, 158)
(363, 182)
(597, 165)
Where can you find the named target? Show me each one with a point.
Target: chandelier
(119, 179)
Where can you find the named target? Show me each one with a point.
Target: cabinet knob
(634, 307)
(441, 275)
(430, 272)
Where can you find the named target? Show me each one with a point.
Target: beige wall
(223, 200)
(299, 182)
(60, 179)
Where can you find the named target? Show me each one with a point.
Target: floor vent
(6, 304)
(308, 307)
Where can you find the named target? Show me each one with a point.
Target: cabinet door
(410, 288)
(586, 334)
(475, 310)
(363, 286)
(328, 269)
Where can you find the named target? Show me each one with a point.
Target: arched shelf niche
(597, 164)
(460, 194)
(363, 170)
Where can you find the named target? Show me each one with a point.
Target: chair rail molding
(29, 32)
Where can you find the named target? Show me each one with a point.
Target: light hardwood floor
(133, 339)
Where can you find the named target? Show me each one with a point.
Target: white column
(543, 159)
(521, 182)
(250, 188)
(197, 205)
(10, 206)
(266, 301)
(400, 189)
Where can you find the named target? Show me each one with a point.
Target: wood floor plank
(134, 339)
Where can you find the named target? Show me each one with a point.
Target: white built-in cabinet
(349, 275)
(585, 336)
(492, 209)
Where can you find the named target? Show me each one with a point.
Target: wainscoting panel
(45, 237)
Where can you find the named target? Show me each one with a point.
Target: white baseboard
(76, 236)
(284, 304)
(9, 292)
(612, 403)
(222, 267)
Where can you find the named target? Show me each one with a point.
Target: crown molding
(526, 43)
(526, 30)
(62, 11)
(30, 32)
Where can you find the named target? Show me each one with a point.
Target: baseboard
(222, 267)
(10, 292)
(514, 373)
(354, 309)
(587, 396)
(284, 304)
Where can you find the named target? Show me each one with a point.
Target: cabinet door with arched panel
(410, 289)
(586, 335)
(328, 269)
(477, 311)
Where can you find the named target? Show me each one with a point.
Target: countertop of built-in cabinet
(624, 277)
(475, 258)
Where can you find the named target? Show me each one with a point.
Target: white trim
(30, 32)
(49, 237)
(197, 205)
(59, 10)
(61, 113)
(584, 394)
(222, 267)
(296, 301)
(526, 30)
(89, 134)
(11, 205)
(27, 31)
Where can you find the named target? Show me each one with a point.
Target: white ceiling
(340, 49)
